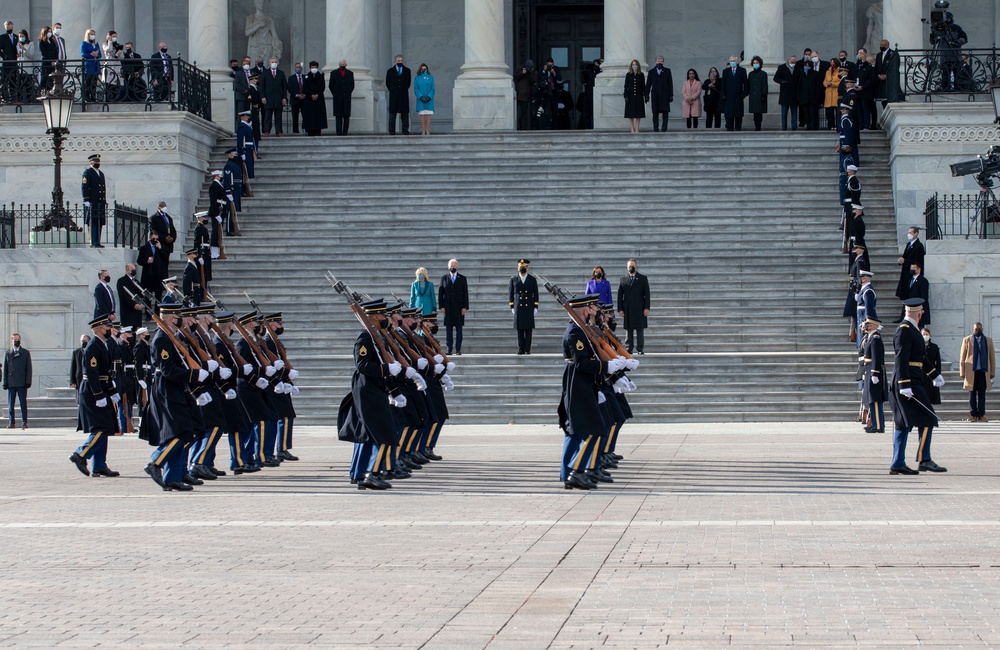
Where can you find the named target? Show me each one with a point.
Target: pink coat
(691, 98)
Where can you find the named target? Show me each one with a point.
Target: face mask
(246, 66)
(163, 49)
(910, 236)
(57, 31)
(97, 165)
(631, 269)
(128, 50)
(434, 329)
(756, 66)
(279, 330)
(732, 64)
(659, 66)
(17, 344)
(107, 278)
(163, 209)
(274, 66)
(297, 70)
(453, 271)
(634, 68)
(882, 49)
(843, 60)
(10, 31)
(132, 273)
(92, 37)
(343, 67)
(927, 339)
(114, 39)
(913, 272)
(314, 70)
(82, 345)
(523, 271)
(815, 59)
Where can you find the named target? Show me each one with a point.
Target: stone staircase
(737, 233)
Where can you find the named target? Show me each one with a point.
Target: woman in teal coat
(423, 90)
(422, 293)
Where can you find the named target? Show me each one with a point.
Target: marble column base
(223, 100)
(609, 104)
(483, 104)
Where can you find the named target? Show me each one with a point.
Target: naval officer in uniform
(523, 296)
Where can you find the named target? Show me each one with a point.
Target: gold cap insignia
(164, 355)
(579, 345)
(363, 352)
(93, 362)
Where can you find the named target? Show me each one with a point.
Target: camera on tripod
(983, 166)
(589, 71)
(939, 16)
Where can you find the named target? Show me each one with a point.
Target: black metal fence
(949, 72)
(975, 216)
(101, 83)
(40, 226)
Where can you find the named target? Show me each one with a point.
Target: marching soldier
(873, 393)
(282, 398)
(97, 403)
(865, 300)
(859, 264)
(203, 243)
(214, 422)
(241, 447)
(846, 145)
(117, 370)
(523, 295)
(126, 388)
(232, 182)
(218, 204)
(140, 356)
(246, 145)
(254, 390)
(420, 449)
(95, 199)
(192, 277)
(911, 407)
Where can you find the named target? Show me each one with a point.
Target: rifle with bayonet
(147, 300)
(354, 300)
(604, 350)
(278, 345)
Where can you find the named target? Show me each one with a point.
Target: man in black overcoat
(453, 302)
(162, 224)
(341, 88)
(273, 88)
(788, 97)
(919, 287)
(912, 252)
(633, 306)
(397, 81)
(523, 294)
(154, 265)
(735, 88)
(660, 91)
(129, 306)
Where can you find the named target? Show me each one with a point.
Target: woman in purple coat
(600, 285)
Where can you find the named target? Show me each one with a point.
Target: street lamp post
(58, 106)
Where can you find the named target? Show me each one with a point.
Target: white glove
(411, 373)
(115, 398)
(261, 383)
(438, 358)
(279, 365)
(213, 365)
(279, 388)
(631, 385)
(421, 363)
(438, 368)
(448, 385)
(395, 368)
(419, 382)
(906, 392)
(536, 311)
(101, 403)
(615, 365)
(601, 398)
(399, 401)
(86, 204)
(225, 373)
(247, 369)
(229, 196)
(202, 374)
(203, 399)
(143, 384)
(201, 260)
(216, 253)
(938, 381)
(293, 374)
(293, 390)
(269, 371)
(621, 386)
(230, 394)
(218, 218)
(874, 379)
(631, 364)
(450, 366)
(511, 310)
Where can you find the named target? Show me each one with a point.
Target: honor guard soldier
(192, 277)
(98, 399)
(846, 146)
(438, 383)
(203, 243)
(140, 355)
(255, 390)
(214, 414)
(239, 427)
(865, 300)
(126, 388)
(911, 406)
(875, 388)
(232, 182)
(523, 293)
(95, 199)
(858, 264)
(246, 146)
(282, 399)
(218, 204)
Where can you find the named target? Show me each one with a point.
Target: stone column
(208, 47)
(351, 34)
(74, 15)
(901, 24)
(102, 18)
(484, 92)
(125, 21)
(764, 31)
(624, 40)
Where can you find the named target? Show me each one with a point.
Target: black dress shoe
(599, 478)
(931, 466)
(409, 463)
(618, 456)
(272, 462)
(80, 462)
(871, 430)
(520, 352)
(369, 483)
(903, 470)
(579, 481)
(180, 487)
(284, 455)
(418, 457)
(250, 469)
(399, 472)
(155, 473)
(110, 473)
(192, 480)
(379, 478)
(238, 471)
(201, 471)
(217, 472)
(431, 455)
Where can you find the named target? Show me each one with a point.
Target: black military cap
(858, 244)
(190, 311)
(394, 308)
(606, 307)
(94, 156)
(170, 308)
(431, 317)
(233, 150)
(410, 312)
(192, 251)
(225, 316)
(374, 306)
(100, 320)
(583, 301)
(270, 318)
(872, 321)
(246, 318)
(206, 310)
(523, 262)
(914, 304)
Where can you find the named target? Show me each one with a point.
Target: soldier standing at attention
(95, 199)
(873, 392)
(523, 293)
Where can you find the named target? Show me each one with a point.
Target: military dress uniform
(232, 182)
(96, 405)
(192, 279)
(866, 301)
(523, 296)
(255, 390)
(95, 194)
(140, 355)
(201, 457)
(218, 205)
(875, 388)
(203, 243)
(282, 400)
(847, 147)
(239, 427)
(246, 145)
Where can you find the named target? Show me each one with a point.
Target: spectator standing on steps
(341, 88)
(734, 90)
(397, 81)
(296, 95)
(104, 296)
(932, 363)
(453, 301)
(713, 89)
(912, 252)
(633, 306)
(788, 97)
(600, 285)
(757, 85)
(423, 91)
(17, 379)
(524, 81)
(422, 293)
(273, 89)
(691, 95)
(659, 93)
(977, 367)
(635, 96)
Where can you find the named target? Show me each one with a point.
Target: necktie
(300, 84)
(913, 281)
(274, 74)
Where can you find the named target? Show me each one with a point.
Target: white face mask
(114, 39)
(57, 31)
(274, 66)
(927, 339)
(314, 70)
(634, 68)
(246, 66)
(815, 59)
(910, 236)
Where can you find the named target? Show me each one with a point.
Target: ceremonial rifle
(147, 301)
(354, 301)
(222, 337)
(246, 179)
(605, 352)
(232, 220)
(222, 248)
(278, 345)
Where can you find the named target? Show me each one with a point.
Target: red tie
(273, 74)
(300, 84)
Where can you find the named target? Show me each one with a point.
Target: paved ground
(712, 535)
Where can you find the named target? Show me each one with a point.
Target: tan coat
(965, 370)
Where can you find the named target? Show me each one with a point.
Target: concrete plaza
(712, 535)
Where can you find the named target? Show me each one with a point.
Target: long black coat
(633, 298)
(273, 88)
(236, 415)
(735, 88)
(314, 110)
(712, 94)
(96, 385)
(787, 86)
(523, 298)
(809, 85)
(579, 412)
(921, 288)
(757, 81)
(255, 400)
(874, 358)
(908, 372)
(913, 252)
(366, 415)
(155, 271)
(660, 90)
(635, 95)
(128, 314)
(341, 87)
(932, 366)
(887, 63)
(171, 403)
(453, 297)
(399, 89)
(163, 225)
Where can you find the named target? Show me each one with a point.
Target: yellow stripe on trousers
(211, 441)
(583, 452)
(97, 436)
(236, 448)
(284, 436)
(166, 452)
(260, 453)
(923, 441)
(611, 436)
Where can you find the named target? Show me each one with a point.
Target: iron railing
(959, 72)
(39, 226)
(974, 216)
(102, 83)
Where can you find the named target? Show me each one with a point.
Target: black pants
(977, 396)
(758, 119)
(692, 122)
(656, 120)
(523, 120)
(296, 110)
(524, 341)
(811, 113)
(870, 113)
(272, 115)
(734, 122)
(457, 340)
(404, 119)
(713, 118)
(343, 124)
(635, 335)
(831, 118)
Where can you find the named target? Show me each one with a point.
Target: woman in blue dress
(423, 90)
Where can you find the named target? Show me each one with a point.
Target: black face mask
(978, 332)
(882, 49)
(163, 49)
(279, 331)
(453, 271)
(97, 165)
(413, 327)
(598, 276)
(17, 344)
(434, 329)
(631, 269)
(82, 345)
(132, 273)
(107, 278)
(913, 271)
